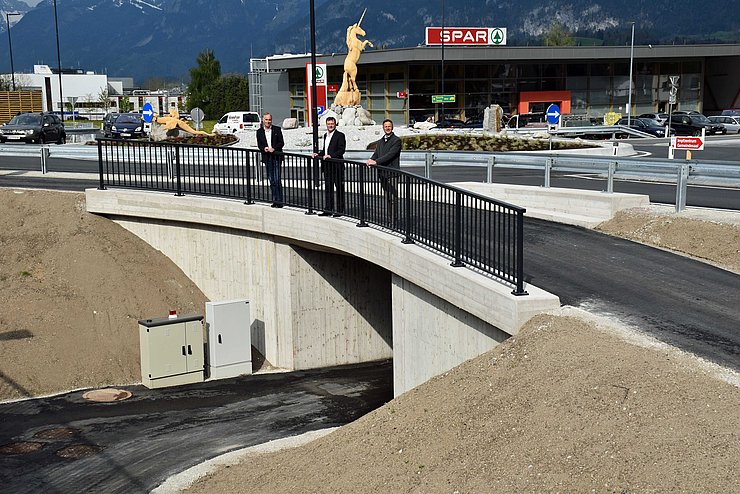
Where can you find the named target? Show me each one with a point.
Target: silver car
(731, 124)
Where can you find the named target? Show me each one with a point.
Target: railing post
(610, 179)
(428, 162)
(457, 248)
(312, 164)
(363, 170)
(681, 185)
(548, 169)
(100, 164)
(489, 169)
(249, 199)
(519, 290)
(177, 171)
(407, 207)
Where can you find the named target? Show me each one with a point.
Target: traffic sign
(148, 112)
(320, 109)
(693, 143)
(443, 98)
(401, 94)
(197, 115)
(553, 114)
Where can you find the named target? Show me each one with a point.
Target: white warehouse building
(91, 95)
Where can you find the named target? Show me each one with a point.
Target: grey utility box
(171, 351)
(229, 339)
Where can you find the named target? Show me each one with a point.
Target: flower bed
(430, 142)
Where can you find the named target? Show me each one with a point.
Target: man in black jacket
(270, 142)
(388, 153)
(332, 167)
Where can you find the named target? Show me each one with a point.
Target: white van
(237, 120)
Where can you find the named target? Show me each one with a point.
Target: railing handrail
(470, 228)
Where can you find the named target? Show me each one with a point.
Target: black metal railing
(470, 229)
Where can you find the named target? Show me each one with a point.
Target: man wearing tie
(332, 167)
(270, 143)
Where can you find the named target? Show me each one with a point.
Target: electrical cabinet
(171, 351)
(228, 326)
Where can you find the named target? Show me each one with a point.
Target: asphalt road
(136, 444)
(684, 302)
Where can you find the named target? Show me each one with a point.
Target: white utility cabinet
(171, 351)
(229, 339)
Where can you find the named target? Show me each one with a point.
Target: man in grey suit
(388, 153)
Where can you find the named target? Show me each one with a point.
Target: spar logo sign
(465, 36)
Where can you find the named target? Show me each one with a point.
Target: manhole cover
(107, 395)
(20, 448)
(77, 451)
(56, 433)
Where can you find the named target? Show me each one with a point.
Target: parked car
(692, 124)
(686, 112)
(127, 125)
(108, 123)
(647, 125)
(731, 112)
(731, 124)
(474, 123)
(237, 120)
(450, 123)
(34, 127)
(660, 117)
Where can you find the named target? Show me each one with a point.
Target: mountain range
(162, 38)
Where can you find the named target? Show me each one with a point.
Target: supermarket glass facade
(596, 87)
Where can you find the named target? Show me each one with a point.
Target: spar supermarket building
(586, 81)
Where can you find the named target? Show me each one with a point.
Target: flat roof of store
(513, 54)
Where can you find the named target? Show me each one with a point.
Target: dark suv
(34, 127)
(692, 124)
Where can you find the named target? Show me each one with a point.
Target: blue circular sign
(148, 112)
(553, 114)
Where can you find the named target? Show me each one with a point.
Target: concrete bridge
(324, 292)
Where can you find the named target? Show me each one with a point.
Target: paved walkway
(684, 302)
(132, 446)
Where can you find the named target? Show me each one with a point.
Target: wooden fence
(12, 102)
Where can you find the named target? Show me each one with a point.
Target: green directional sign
(443, 98)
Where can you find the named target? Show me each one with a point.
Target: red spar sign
(693, 143)
(462, 36)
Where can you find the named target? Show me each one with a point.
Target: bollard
(45, 152)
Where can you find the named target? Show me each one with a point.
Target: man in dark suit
(388, 154)
(270, 143)
(332, 167)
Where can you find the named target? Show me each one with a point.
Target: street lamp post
(314, 108)
(442, 39)
(10, 45)
(629, 96)
(59, 61)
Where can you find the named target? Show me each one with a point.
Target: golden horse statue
(348, 94)
(174, 122)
